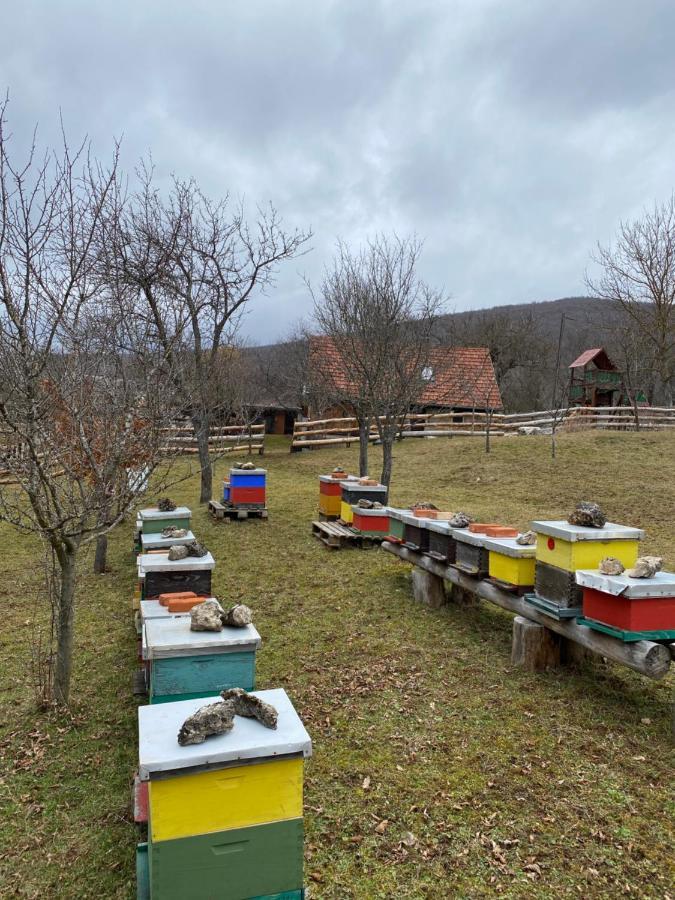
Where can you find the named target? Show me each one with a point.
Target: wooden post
(462, 597)
(428, 588)
(534, 647)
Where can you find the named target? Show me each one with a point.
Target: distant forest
(523, 342)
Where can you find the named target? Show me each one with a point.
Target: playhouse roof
(462, 377)
(597, 355)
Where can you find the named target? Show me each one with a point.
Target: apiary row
(556, 568)
(224, 817)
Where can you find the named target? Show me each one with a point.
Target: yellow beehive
(511, 570)
(572, 547)
(329, 496)
(225, 798)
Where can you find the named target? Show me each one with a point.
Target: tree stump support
(534, 647)
(428, 588)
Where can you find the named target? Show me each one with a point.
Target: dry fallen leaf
(646, 721)
(409, 839)
(382, 826)
(366, 783)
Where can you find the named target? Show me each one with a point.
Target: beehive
(154, 520)
(371, 522)
(225, 816)
(248, 488)
(510, 563)
(159, 575)
(415, 531)
(396, 526)
(442, 542)
(563, 548)
(155, 541)
(630, 604)
(352, 491)
(471, 555)
(186, 664)
(330, 495)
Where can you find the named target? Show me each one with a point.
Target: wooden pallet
(336, 536)
(219, 511)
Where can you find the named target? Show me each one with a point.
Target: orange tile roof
(462, 376)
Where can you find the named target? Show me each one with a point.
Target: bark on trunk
(387, 459)
(101, 555)
(364, 432)
(202, 430)
(65, 622)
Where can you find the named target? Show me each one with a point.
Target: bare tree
(196, 264)
(638, 274)
(380, 316)
(77, 410)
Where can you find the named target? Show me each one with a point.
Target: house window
(427, 373)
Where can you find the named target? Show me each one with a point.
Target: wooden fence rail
(226, 439)
(326, 432)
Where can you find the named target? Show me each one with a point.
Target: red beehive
(631, 604)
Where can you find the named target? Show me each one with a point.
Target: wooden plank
(645, 657)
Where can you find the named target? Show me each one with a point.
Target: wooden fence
(227, 439)
(327, 432)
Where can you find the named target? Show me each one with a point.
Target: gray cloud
(510, 136)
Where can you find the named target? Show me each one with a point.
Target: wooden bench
(216, 509)
(539, 641)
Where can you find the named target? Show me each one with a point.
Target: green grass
(491, 781)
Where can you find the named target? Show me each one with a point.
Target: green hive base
(627, 636)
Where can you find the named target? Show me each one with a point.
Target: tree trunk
(202, 428)
(65, 622)
(488, 422)
(387, 458)
(101, 554)
(364, 433)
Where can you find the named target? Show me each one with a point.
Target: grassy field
(438, 770)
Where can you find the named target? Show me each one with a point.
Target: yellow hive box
(218, 800)
(329, 496)
(135, 602)
(573, 547)
(346, 513)
(511, 570)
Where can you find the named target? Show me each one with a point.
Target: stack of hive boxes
(151, 522)
(246, 489)
(563, 548)
(355, 489)
(631, 609)
(224, 817)
(330, 494)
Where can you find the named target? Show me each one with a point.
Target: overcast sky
(511, 135)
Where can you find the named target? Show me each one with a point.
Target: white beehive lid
(247, 472)
(155, 541)
(160, 562)
(464, 536)
(172, 636)
(153, 609)
(510, 547)
(661, 585)
(566, 532)
(180, 512)
(159, 750)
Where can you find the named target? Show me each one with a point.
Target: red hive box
(371, 520)
(631, 604)
(247, 495)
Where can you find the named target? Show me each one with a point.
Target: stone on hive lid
(166, 504)
(588, 515)
(207, 616)
(423, 504)
(194, 548)
(527, 538)
(178, 551)
(365, 504)
(239, 616)
(251, 707)
(216, 718)
(460, 520)
(645, 567)
(610, 565)
(174, 531)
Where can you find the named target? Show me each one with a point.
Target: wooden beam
(645, 657)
